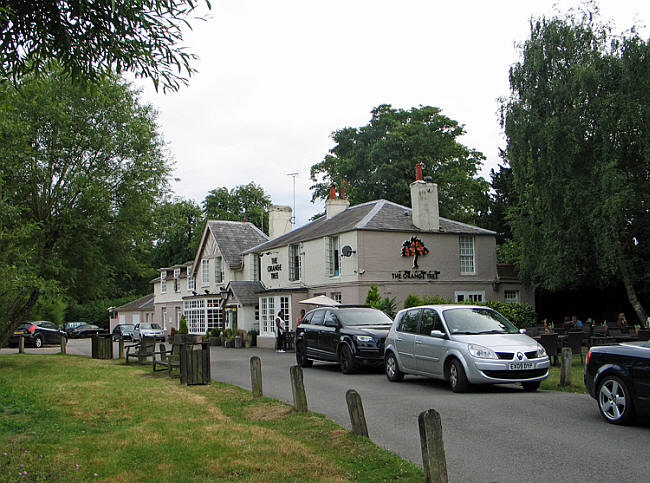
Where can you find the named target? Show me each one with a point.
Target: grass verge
(552, 382)
(68, 418)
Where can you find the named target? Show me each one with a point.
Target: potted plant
(253, 336)
(181, 336)
(230, 338)
(214, 338)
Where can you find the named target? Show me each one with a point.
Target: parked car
(68, 326)
(123, 331)
(148, 329)
(37, 334)
(618, 378)
(351, 336)
(463, 344)
(86, 330)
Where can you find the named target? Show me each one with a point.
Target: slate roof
(143, 303)
(378, 215)
(235, 237)
(246, 291)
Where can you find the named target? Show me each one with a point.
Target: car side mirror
(438, 334)
(522, 331)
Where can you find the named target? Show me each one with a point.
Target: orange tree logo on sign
(414, 248)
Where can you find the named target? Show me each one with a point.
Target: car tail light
(588, 356)
(32, 328)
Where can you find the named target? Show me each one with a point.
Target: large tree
(80, 171)
(378, 161)
(91, 39)
(578, 128)
(248, 202)
(177, 226)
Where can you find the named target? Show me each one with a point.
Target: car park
(86, 330)
(463, 344)
(350, 335)
(123, 331)
(148, 329)
(618, 378)
(37, 334)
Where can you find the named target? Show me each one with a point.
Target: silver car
(463, 344)
(148, 329)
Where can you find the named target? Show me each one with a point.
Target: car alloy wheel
(392, 369)
(457, 377)
(38, 341)
(614, 400)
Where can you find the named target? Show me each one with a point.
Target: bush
(182, 326)
(215, 332)
(373, 296)
(412, 300)
(387, 305)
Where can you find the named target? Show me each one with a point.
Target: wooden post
(256, 376)
(21, 345)
(298, 389)
(433, 450)
(63, 344)
(357, 416)
(565, 369)
(121, 346)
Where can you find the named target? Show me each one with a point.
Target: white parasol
(320, 300)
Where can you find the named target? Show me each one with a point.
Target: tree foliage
(80, 171)
(177, 226)
(577, 125)
(377, 161)
(92, 39)
(242, 202)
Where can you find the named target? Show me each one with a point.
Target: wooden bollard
(357, 416)
(64, 342)
(21, 345)
(121, 348)
(298, 389)
(565, 369)
(433, 450)
(256, 376)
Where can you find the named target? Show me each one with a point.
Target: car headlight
(482, 352)
(541, 352)
(363, 338)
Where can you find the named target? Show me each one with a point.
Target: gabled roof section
(246, 292)
(379, 215)
(143, 304)
(232, 238)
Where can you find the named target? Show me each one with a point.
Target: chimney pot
(418, 171)
(332, 192)
(342, 192)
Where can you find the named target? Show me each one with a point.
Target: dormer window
(190, 279)
(163, 281)
(177, 282)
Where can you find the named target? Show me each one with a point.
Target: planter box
(230, 343)
(214, 341)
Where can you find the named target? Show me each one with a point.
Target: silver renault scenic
(463, 344)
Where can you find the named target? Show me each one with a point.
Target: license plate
(19, 332)
(518, 366)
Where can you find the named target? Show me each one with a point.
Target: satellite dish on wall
(346, 251)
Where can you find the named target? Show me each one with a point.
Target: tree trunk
(16, 314)
(631, 293)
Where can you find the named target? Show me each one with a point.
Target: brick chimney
(425, 213)
(334, 205)
(279, 220)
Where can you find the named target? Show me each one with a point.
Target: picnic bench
(169, 359)
(141, 350)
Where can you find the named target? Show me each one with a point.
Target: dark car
(618, 378)
(37, 334)
(123, 331)
(86, 330)
(68, 326)
(351, 336)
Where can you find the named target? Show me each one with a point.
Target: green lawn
(69, 418)
(552, 382)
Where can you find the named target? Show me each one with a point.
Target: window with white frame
(177, 280)
(163, 282)
(214, 315)
(295, 265)
(336, 296)
(194, 311)
(190, 279)
(205, 272)
(218, 270)
(332, 256)
(511, 296)
(469, 296)
(255, 266)
(267, 315)
(466, 255)
(164, 318)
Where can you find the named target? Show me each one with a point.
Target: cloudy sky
(277, 78)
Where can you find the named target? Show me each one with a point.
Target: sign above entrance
(416, 275)
(414, 248)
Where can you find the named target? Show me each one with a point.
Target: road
(492, 434)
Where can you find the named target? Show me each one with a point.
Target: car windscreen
(363, 317)
(149, 326)
(127, 327)
(474, 321)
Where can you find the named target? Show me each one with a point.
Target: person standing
(300, 317)
(279, 331)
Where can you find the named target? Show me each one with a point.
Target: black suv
(348, 335)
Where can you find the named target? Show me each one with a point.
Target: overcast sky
(277, 78)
